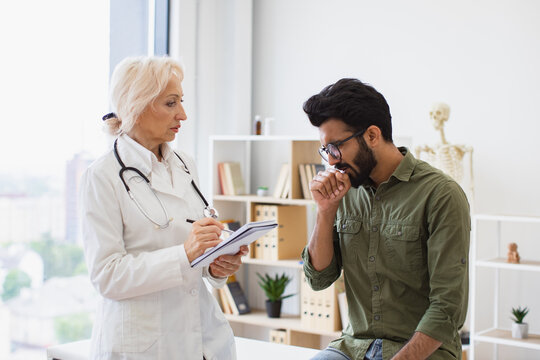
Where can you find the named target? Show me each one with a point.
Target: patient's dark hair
(357, 104)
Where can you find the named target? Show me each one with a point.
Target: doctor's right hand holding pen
(205, 234)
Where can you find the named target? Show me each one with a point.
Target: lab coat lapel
(181, 181)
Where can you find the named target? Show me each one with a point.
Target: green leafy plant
(519, 314)
(274, 287)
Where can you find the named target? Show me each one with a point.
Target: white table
(247, 349)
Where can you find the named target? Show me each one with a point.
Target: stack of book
(230, 178)
(307, 173)
(319, 309)
(288, 239)
(232, 298)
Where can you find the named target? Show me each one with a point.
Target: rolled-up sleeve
(319, 280)
(447, 254)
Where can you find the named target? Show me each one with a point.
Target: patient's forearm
(419, 347)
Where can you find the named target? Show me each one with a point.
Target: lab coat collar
(134, 154)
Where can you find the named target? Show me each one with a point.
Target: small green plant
(274, 287)
(519, 314)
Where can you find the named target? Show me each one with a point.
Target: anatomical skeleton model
(445, 156)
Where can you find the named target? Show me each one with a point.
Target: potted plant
(520, 330)
(274, 288)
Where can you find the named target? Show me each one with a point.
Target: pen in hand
(226, 230)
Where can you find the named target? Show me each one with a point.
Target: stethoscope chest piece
(210, 212)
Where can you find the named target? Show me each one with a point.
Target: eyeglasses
(332, 149)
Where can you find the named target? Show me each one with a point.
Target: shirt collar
(134, 154)
(406, 167)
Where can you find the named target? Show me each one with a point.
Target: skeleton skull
(439, 115)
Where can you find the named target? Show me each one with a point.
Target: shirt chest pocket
(403, 245)
(349, 239)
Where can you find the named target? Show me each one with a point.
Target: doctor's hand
(226, 265)
(204, 234)
(328, 188)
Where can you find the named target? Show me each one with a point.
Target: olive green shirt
(403, 248)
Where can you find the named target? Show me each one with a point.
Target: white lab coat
(153, 304)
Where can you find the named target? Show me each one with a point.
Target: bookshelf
(497, 333)
(261, 158)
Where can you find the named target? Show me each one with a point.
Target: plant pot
(273, 308)
(520, 331)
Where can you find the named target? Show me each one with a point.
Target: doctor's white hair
(135, 83)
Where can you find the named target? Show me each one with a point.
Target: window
(57, 57)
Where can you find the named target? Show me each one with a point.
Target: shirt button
(344, 226)
(399, 233)
(376, 288)
(377, 317)
(378, 197)
(193, 292)
(372, 258)
(374, 229)
(463, 260)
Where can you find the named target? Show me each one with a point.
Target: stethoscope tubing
(208, 211)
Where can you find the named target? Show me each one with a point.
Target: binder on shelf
(319, 309)
(287, 240)
(279, 336)
(266, 254)
(257, 246)
(306, 314)
(343, 309)
(342, 302)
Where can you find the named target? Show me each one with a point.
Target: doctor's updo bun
(112, 123)
(135, 83)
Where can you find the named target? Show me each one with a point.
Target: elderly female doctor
(139, 247)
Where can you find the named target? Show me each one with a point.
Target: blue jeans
(374, 353)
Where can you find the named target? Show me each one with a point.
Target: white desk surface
(247, 349)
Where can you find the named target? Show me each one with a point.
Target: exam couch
(245, 348)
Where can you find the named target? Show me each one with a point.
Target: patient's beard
(364, 161)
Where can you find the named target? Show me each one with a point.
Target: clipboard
(230, 246)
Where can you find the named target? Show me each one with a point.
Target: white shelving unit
(261, 158)
(495, 334)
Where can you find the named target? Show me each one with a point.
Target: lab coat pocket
(404, 246)
(348, 230)
(139, 324)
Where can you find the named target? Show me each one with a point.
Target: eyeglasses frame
(337, 144)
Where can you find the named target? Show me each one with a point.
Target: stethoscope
(208, 210)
